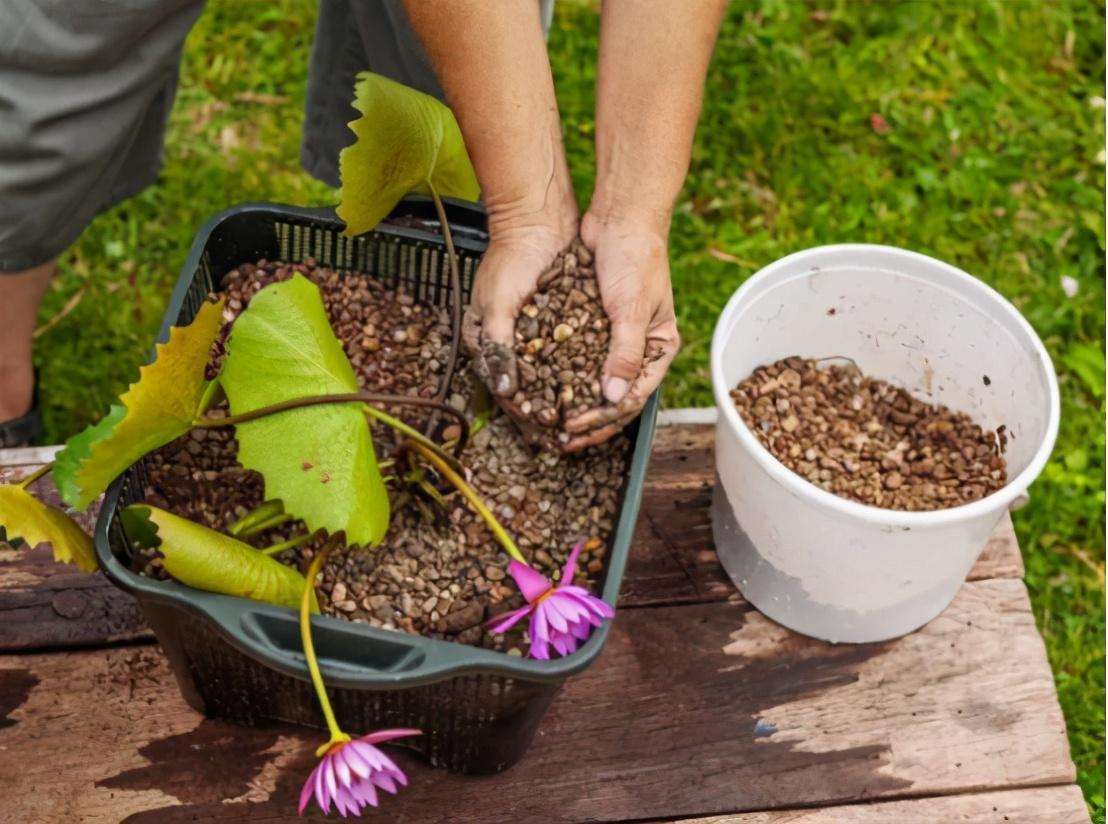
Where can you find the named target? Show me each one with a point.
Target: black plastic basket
(241, 660)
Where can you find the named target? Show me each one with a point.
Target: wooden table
(698, 709)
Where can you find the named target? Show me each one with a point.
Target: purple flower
(562, 616)
(351, 772)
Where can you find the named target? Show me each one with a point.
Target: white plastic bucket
(827, 566)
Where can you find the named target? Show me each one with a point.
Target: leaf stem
(474, 500)
(291, 543)
(23, 483)
(262, 512)
(314, 568)
(455, 295)
(267, 523)
(347, 397)
(413, 434)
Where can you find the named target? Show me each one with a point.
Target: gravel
(867, 440)
(438, 572)
(561, 341)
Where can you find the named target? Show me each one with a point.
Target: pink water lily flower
(562, 616)
(350, 773)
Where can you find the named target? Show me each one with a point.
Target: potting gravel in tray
(438, 572)
(867, 440)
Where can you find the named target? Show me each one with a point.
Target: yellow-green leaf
(24, 516)
(406, 141)
(205, 559)
(161, 406)
(318, 460)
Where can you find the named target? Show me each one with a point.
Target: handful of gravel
(561, 341)
(867, 440)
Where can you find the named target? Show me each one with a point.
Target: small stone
(494, 573)
(562, 332)
(338, 592)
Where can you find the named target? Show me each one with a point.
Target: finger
(660, 354)
(593, 438)
(471, 331)
(625, 353)
(499, 363)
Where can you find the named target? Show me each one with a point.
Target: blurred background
(971, 130)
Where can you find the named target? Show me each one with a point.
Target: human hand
(520, 251)
(632, 268)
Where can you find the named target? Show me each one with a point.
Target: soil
(561, 341)
(438, 572)
(867, 440)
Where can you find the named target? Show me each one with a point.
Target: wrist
(600, 221)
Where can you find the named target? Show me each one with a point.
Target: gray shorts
(86, 87)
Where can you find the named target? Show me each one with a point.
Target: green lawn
(972, 131)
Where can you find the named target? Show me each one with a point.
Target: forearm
(491, 61)
(653, 59)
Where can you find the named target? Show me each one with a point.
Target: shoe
(24, 430)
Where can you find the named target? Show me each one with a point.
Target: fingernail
(615, 389)
(503, 383)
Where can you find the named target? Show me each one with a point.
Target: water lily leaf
(159, 407)
(318, 460)
(77, 451)
(24, 516)
(205, 559)
(406, 141)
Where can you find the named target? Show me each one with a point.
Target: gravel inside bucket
(867, 440)
(438, 572)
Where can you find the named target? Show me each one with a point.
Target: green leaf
(77, 451)
(318, 460)
(24, 516)
(205, 559)
(161, 406)
(406, 141)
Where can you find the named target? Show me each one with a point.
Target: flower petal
(329, 776)
(580, 630)
(540, 630)
(321, 796)
(553, 616)
(365, 792)
(570, 608)
(358, 765)
(531, 583)
(385, 782)
(342, 772)
(570, 569)
(306, 793)
(503, 623)
(369, 753)
(388, 735)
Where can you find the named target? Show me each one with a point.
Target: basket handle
(351, 655)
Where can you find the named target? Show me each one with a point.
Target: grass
(969, 131)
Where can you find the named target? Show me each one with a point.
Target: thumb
(624, 357)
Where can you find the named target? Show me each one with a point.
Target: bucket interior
(904, 318)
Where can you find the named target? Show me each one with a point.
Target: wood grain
(691, 710)
(1039, 805)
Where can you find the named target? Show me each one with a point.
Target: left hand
(632, 269)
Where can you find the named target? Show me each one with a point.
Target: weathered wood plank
(45, 605)
(1057, 805)
(691, 710)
